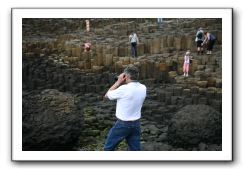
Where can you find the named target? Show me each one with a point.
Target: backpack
(199, 35)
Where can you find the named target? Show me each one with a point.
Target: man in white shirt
(130, 95)
(133, 39)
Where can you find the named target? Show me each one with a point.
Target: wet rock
(194, 124)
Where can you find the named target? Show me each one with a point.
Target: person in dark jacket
(209, 40)
(199, 40)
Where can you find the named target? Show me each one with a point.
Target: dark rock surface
(51, 121)
(194, 124)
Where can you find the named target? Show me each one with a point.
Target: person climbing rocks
(133, 39)
(130, 95)
(186, 63)
(209, 40)
(199, 40)
(86, 47)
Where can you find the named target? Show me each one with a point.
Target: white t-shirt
(187, 59)
(133, 38)
(130, 98)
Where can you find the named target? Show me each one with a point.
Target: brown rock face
(61, 81)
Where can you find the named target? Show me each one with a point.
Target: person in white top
(133, 39)
(130, 95)
(186, 63)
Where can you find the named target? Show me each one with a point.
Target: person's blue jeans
(134, 49)
(128, 130)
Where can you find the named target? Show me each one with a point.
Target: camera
(114, 77)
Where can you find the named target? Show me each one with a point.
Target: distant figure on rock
(133, 39)
(186, 63)
(86, 47)
(160, 22)
(130, 95)
(209, 40)
(199, 40)
(87, 25)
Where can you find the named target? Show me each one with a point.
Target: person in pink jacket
(86, 47)
(186, 63)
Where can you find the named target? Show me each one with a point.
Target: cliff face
(53, 59)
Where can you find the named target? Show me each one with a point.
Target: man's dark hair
(132, 71)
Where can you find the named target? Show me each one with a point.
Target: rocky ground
(63, 107)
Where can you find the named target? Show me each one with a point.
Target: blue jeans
(128, 130)
(134, 49)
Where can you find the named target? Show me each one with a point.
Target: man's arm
(120, 80)
(205, 40)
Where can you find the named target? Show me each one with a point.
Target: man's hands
(121, 80)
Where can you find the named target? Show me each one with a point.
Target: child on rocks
(186, 63)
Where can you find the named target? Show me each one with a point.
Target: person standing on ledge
(160, 22)
(186, 63)
(199, 40)
(87, 25)
(130, 95)
(133, 39)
